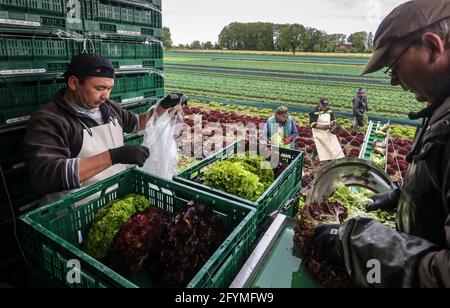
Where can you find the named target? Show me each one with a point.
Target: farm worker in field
(281, 129)
(360, 107)
(77, 139)
(413, 43)
(322, 121)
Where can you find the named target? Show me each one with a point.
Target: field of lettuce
(298, 81)
(221, 115)
(269, 80)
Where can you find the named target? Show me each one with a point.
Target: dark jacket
(55, 135)
(360, 106)
(419, 254)
(314, 115)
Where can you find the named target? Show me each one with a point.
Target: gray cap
(405, 19)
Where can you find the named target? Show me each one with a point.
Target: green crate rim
(184, 176)
(99, 187)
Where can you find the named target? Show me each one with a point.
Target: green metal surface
(284, 267)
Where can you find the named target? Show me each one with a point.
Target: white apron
(95, 141)
(327, 144)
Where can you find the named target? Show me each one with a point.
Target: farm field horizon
(299, 80)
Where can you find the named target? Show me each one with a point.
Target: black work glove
(386, 201)
(130, 155)
(173, 99)
(326, 240)
(413, 115)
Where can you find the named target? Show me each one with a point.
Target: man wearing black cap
(77, 139)
(360, 107)
(413, 43)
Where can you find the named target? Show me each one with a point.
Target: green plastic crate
(139, 108)
(127, 49)
(134, 96)
(55, 7)
(92, 27)
(51, 233)
(20, 191)
(137, 87)
(282, 191)
(14, 169)
(133, 139)
(21, 18)
(53, 54)
(156, 3)
(42, 14)
(19, 99)
(121, 12)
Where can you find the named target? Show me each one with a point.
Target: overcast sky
(203, 20)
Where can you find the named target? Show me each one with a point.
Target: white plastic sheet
(159, 138)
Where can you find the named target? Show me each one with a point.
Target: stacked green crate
(39, 38)
(84, 16)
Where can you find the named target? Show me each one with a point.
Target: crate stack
(38, 38)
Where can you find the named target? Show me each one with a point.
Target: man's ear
(73, 83)
(434, 44)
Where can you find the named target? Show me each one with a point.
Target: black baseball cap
(90, 65)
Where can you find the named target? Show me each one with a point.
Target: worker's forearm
(93, 165)
(144, 117)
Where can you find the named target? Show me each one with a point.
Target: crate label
(133, 99)
(17, 120)
(127, 67)
(166, 191)
(24, 71)
(19, 22)
(19, 165)
(125, 32)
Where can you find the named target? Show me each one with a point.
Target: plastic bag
(159, 138)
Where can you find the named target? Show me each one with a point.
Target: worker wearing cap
(360, 107)
(77, 139)
(281, 124)
(322, 121)
(413, 43)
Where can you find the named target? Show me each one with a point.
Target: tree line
(293, 38)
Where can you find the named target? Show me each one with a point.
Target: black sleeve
(363, 240)
(47, 151)
(129, 120)
(332, 116)
(434, 267)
